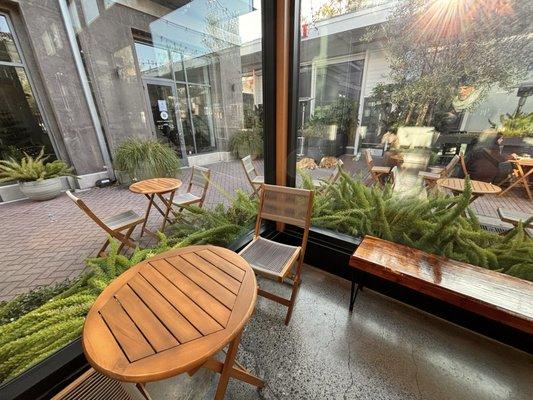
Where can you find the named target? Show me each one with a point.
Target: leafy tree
(333, 8)
(437, 48)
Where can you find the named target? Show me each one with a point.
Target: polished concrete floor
(384, 350)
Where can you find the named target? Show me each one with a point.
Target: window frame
(24, 65)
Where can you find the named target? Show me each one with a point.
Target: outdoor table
(156, 187)
(520, 165)
(171, 314)
(479, 188)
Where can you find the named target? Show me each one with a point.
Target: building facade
(81, 76)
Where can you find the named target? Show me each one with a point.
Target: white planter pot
(42, 190)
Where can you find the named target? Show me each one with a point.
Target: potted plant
(137, 159)
(247, 142)
(38, 179)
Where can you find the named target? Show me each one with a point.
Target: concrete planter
(42, 190)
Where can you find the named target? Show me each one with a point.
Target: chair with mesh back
(197, 189)
(318, 183)
(254, 178)
(393, 177)
(377, 173)
(430, 178)
(275, 260)
(114, 225)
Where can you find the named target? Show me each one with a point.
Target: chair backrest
(450, 167)
(200, 178)
(338, 170)
(81, 204)
(394, 176)
(285, 204)
(463, 164)
(249, 167)
(368, 158)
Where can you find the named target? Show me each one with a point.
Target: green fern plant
(146, 158)
(30, 169)
(246, 142)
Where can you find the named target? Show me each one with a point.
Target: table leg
(147, 214)
(168, 204)
(228, 370)
(227, 367)
(522, 179)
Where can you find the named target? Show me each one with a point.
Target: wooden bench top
(514, 217)
(495, 295)
(169, 314)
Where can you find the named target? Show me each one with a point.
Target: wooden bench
(494, 295)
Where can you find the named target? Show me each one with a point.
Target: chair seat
(186, 198)
(381, 170)
(258, 179)
(319, 183)
(123, 220)
(429, 175)
(269, 257)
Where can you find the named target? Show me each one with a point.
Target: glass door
(161, 97)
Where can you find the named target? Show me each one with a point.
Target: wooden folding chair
(275, 260)
(254, 178)
(200, 178)
(318, 183)
(377, 173)
(393, 176)
(430, 179)
(463, 164)
(114, 225)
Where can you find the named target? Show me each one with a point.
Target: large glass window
(22, 128)
(410, 98)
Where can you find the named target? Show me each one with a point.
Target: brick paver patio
(46, 242)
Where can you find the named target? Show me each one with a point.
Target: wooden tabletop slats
(187, 307)
(215, 309)
(176, 323)
(159, 337)
(220, 292)
(215, 273)
(223, 264)
(128, 336)
(478, 187)
(155, 185)
(169, 314)
(232, 257)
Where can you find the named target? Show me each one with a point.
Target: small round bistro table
(479, 188)
(171, 314)
(157, 187)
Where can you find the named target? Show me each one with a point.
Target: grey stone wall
(60, 80)
(108, 49)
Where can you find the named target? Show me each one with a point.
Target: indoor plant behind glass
(137, 159)
(38, 179)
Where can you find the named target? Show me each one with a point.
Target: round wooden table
(479, 188)
(170, 314)
(157, 187)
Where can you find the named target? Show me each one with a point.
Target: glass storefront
(22, 128)
(173, 72)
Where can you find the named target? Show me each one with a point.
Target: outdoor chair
(429, 179)
(113, 225)
(377, 173)
(318, 183)
(200, 178)
(275, 260)
(393, 176)
(93, 385)
(254, 178)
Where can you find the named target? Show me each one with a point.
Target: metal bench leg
(354, 290)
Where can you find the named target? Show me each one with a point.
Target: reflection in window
(21, 126)
(8, 50)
